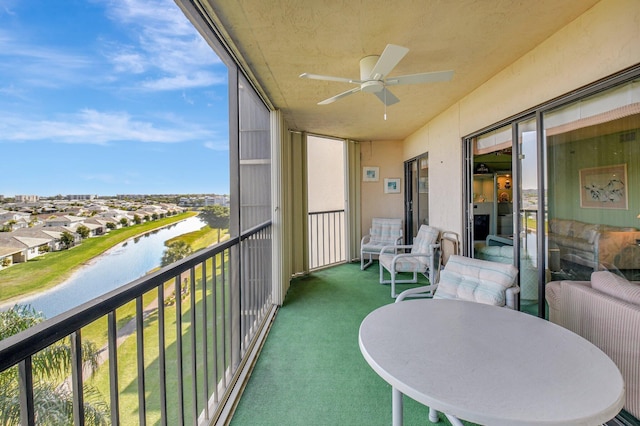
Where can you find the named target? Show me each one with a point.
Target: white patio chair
(423, 258)
(476, 280)
(383, 232)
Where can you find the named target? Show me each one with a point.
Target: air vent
(628, 137)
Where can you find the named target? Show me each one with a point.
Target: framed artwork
(392, 185)
(604, 187)
(370, 174)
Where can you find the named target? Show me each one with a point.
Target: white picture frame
(370, 174)
(392, 185)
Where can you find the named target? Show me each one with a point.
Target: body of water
(118, 266)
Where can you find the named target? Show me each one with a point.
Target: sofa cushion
(560, 226)
(584, 231)
(616, 286)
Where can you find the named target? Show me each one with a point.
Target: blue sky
(109, 97)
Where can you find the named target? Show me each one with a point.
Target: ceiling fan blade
(425, 77)
(387, 97)
(390, 57)
(328, 78)
(339, 96)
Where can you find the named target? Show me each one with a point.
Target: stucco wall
(601, 42)
(374, 202)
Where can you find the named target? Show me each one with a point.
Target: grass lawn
(202, 238)
(127, 355)
(47, 271)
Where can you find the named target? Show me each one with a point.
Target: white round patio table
(489, 365)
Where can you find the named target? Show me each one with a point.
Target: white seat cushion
(475, 280)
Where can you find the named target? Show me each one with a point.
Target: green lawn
(127, 354)
(202, 238)
(47, 271)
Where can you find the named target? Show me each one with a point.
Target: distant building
(81, 197)
(26, 198)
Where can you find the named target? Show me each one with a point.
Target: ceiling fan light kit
(373, 72)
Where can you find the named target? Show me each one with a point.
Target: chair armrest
(393, 248)
(365, 239)
(417, 290)
(510, 296)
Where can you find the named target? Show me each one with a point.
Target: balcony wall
(601, 42)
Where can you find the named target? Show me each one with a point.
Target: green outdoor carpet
(310, 370)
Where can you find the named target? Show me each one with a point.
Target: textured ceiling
(281, 39)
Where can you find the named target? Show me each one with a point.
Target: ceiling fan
(373, 76)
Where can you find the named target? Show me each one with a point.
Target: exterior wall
(388, 156)
(601, 42)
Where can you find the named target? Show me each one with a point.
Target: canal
(115, 267)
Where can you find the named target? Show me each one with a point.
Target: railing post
(27, 408)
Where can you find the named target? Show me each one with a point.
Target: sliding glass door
(554, 191)
(526, 202)
(417, 195)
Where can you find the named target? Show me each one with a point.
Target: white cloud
(40, 66)
(164, 44)
(199, 79)
(125, 61)
(217, 145)
(99, 128)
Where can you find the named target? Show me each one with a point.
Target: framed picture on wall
(392, 185)
(370, 174)
(604, 187)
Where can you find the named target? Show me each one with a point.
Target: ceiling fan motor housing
(366, 66)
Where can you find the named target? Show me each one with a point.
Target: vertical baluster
(27, 408)
(112, 335)
(162, 359)
(223, 315)
(194, 351)
(142, 414)
(178, 292)
(244, 247)
(214, 324)
(76, 378)
(205, 351)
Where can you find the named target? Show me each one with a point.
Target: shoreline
(67, 278)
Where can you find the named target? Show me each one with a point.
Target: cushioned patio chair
(383, 232)
(423, 258)
(475, 280)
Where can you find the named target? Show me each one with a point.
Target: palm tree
(51, 366)
(216, 216)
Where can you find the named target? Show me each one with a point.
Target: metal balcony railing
(176, 353)
(326, 238)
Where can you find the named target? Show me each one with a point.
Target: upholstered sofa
(591, 245)
(605, 311)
